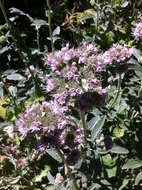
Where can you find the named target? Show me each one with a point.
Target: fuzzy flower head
(118, 53)
(46, 117)
(137, 31)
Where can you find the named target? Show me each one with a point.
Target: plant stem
(84, 128)
(85, 134)
(97, 22)
(4, 13)
(118, 92)
(68, 169)
(49, 22)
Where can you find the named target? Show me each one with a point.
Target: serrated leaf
(119, 150)
(132, 164)
(15, 76)
(98, 127)
(54, 155)
(138, 178)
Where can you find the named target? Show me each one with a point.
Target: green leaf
(13, 90)
(93, 122)
(136, 52)
(54, 155)
(136, 67)
(125, 182)
(50, 178)
(42, 174)
(98, 127)
(50, 187)
(38, 23)
(72, 187)
(132, 164)
(15, 77)
(124, 4)
(111, 172)
(107, 160)
(56, 31)
(2, 109)
(16, 11)
(3, 50)
(88, 16)
(138, 178)
(1, 91)
(119, 150)
(14, 181)
(118, 132)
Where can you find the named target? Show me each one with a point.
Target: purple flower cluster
(137, 31)
(79, 74)
(79, 70)
(46, 117)
(117, 53)
(71, 64)
(52, 124)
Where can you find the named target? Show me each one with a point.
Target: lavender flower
(137, 31)
(58, 179)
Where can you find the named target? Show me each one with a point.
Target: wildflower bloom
(58, 179)
(118, 53)
(137, 31)
(38, 117)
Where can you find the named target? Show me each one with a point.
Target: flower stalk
(118, 92)
(49, 23)
(84, 128)
(68, 169)
(97, 22)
